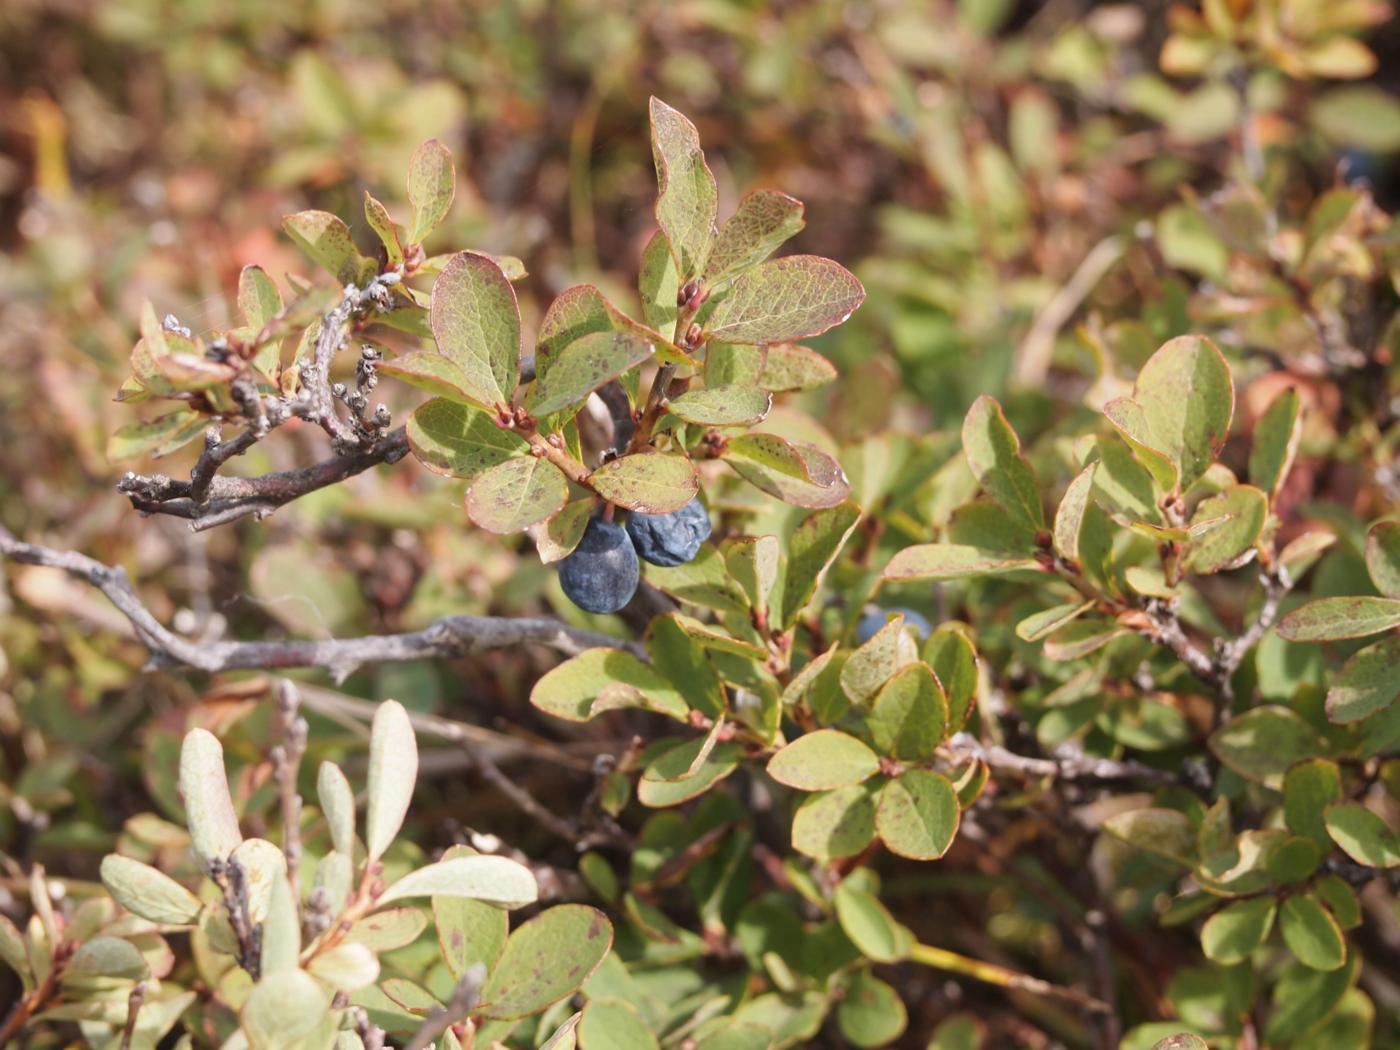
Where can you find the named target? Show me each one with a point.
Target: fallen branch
(444, 638)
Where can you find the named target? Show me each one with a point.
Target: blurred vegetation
(1036, 197)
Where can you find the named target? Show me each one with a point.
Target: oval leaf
(203, 786)
(823, 760)
(499, 881)
(517, 493)
(393, 771)
(918, 814)
(476, 323)
(650, 482)
(546, 959)
(785, 299)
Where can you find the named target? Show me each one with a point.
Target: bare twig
(223, 499)
(448, 637)
(952, 962)
(1230, 654)
(1070, 765)
(133, 1011)
(1034, 353)
(462, 1003)
(207, 499)
(286, 760)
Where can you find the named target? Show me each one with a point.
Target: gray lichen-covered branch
(447, 637)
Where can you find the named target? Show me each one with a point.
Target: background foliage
(1036, 198)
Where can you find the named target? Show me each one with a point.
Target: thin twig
(990, 973)
(1034, 353)
(448, 637)
(286, 761)
(462, 1003)
(133, 1010)
(1066, 766)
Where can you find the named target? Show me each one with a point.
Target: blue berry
(670, 539)
(602, 573)
(873, 621)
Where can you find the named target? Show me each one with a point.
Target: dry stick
(450, 636)
(133, 1009)
(286, 761)
(1065, 767)
(990, 973)
(462, 1003)
(1034, 353)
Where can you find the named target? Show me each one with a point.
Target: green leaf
(909, 716)
(835, 824)
(1328, 619)
(722, 406)
(160, 437)
(812, 548)
(875, 662)
(869, 924)
(950, 561)
(1129, 419)
(1301, 997)
(1165, 832)
(565, 1036)
(703, 581)
(1311, 933)
(761, 223)
(1368, 682)
(687, 202)
(432, 183)
(282, 1010)
(582, 367)
(994, 455)
(281, 929)
(674, 776)
(1363, 836)
(516, 493)
(1181, 1041)
(393, 772)
(203, 787)
(1123, 486)
(571, 690)
(388, 929)
(439, 375)
(1276, 437)
(1224, 546)
(871, 1014)
(460, 441)
(1340, 899)
(327, 242)
(477, 325)
(1383, 557)
(953, 658)
(498, 881)
(379, 220)
(1188, 399)
(1308, 789)
(1364, 116)
(347, 967)
(788, 367)
(468, 931)
(823, 760)
(792, 471)
(259, 301)
(107, 957)
(679, 658)
(561, 533)
(1038, 625)
(659, 285)
(1262, 743)
(147, 892)
(650, 482)
(785, 299)
(13, 953)
(614, 1024)
(1233, 933)
(754, 563)
(1069, 516)
(583, 310)
(546, 960)
(917, 815)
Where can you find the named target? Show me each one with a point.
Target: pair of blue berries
(602, 573)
